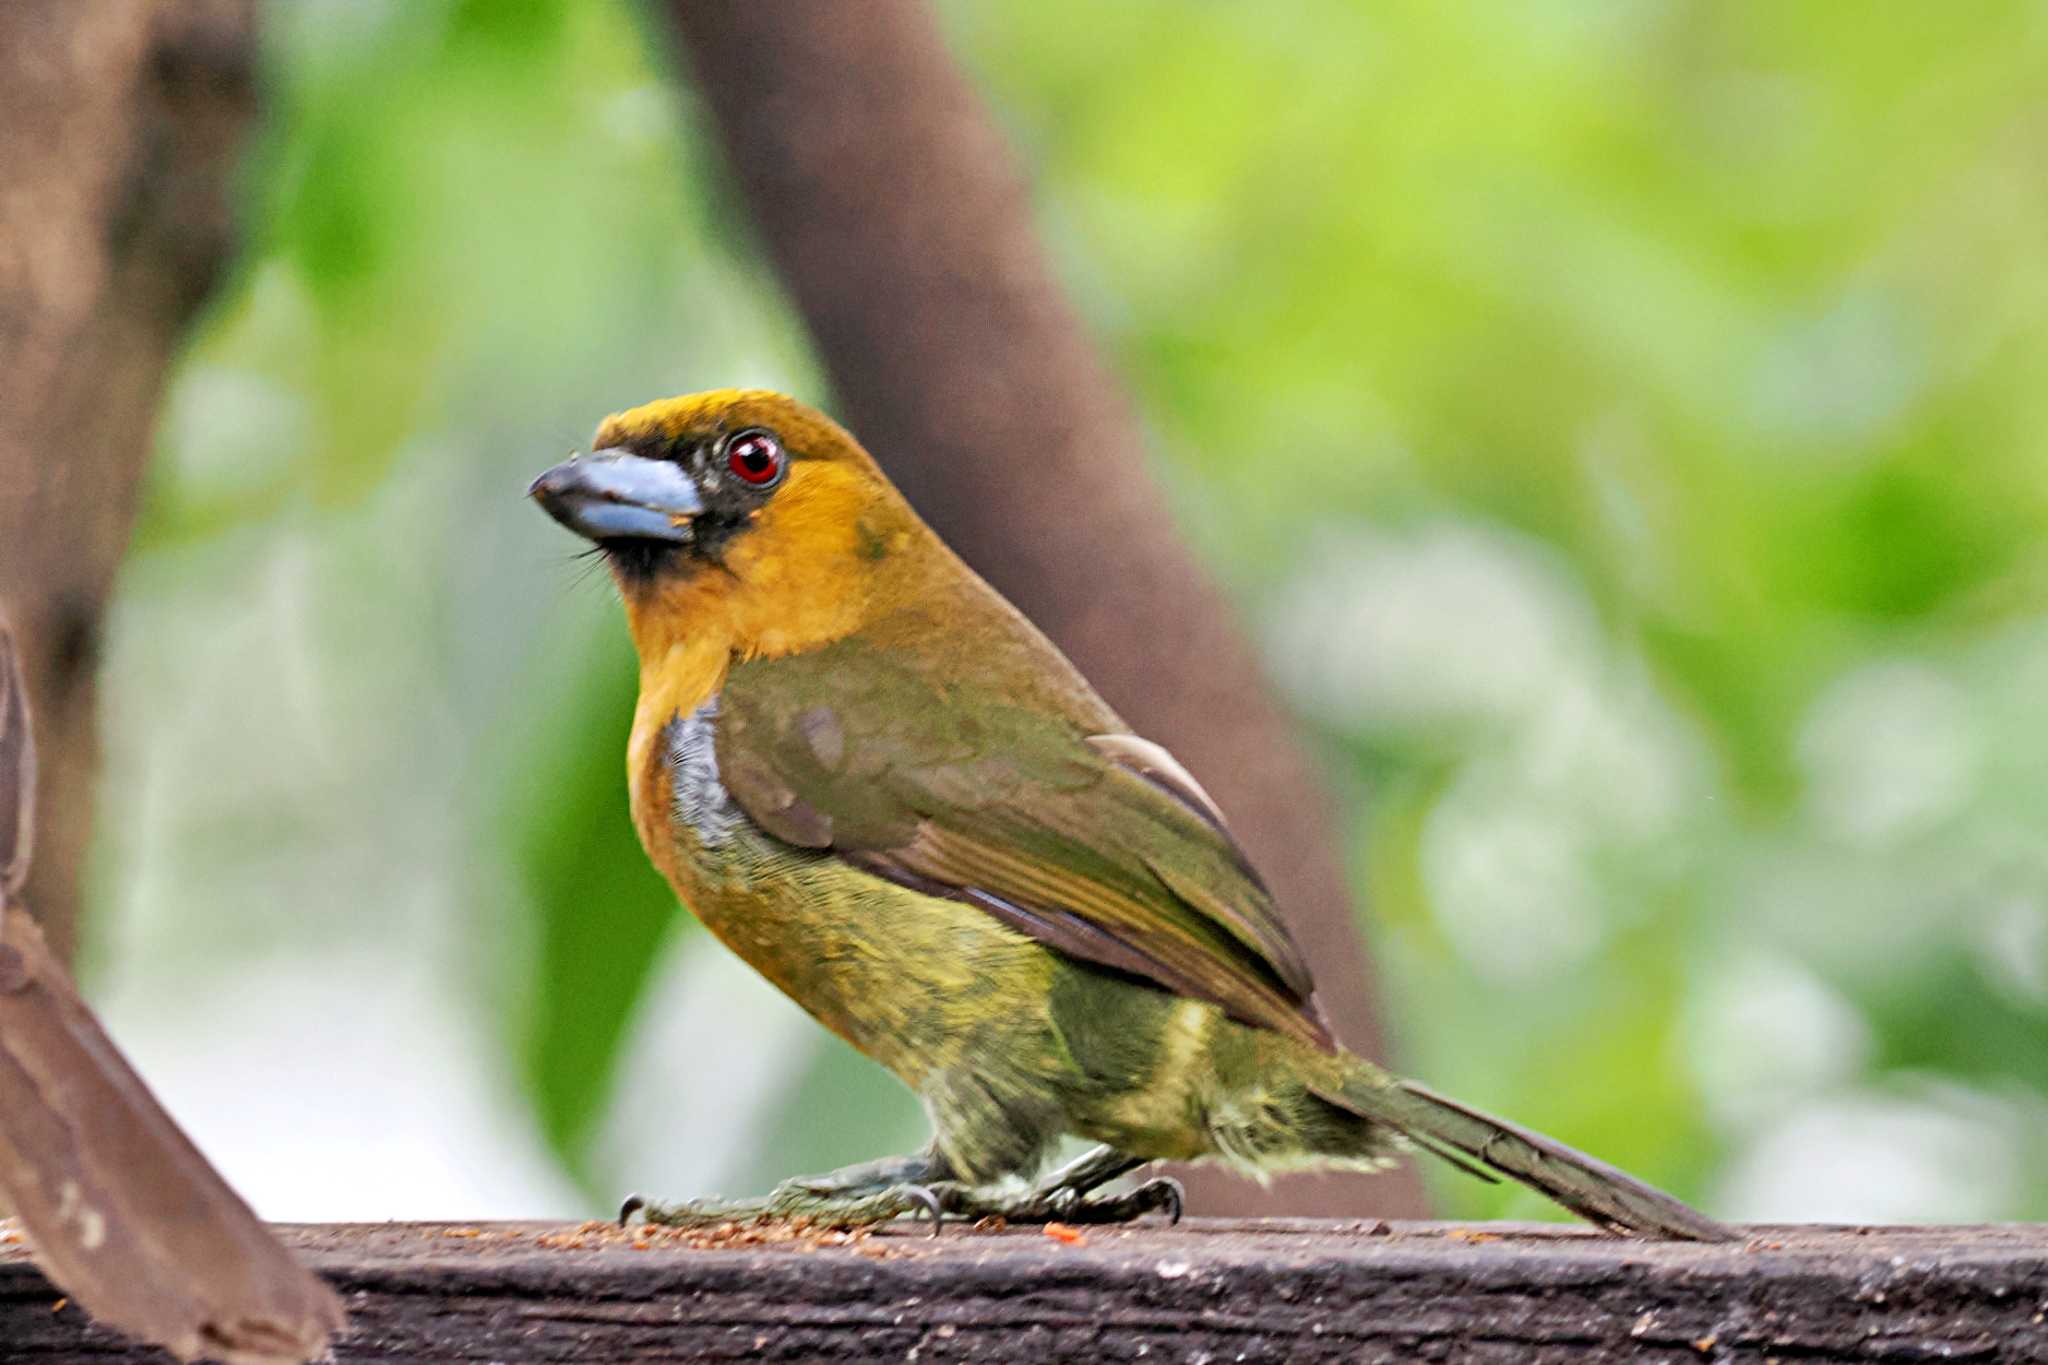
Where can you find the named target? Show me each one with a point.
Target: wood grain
(1211, 1290)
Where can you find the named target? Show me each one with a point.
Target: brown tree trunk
(120, 121)
(903, 229)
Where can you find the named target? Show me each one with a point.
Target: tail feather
(1589, 1187)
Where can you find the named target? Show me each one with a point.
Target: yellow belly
(900, 975)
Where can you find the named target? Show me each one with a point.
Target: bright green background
(1621, 423)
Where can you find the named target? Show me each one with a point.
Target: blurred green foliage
(1622, 422)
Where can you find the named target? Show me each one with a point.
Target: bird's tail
(1479, 1143)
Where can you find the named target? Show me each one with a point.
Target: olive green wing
(1099, 846)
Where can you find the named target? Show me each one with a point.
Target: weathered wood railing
(1206, 1291)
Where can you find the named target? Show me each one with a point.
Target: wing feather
(1101, 847)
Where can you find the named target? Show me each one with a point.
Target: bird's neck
(690, 629)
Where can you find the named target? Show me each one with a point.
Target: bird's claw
(1162, 1194)
(927, 1202)
(1174, 1199)
(1063, 1203)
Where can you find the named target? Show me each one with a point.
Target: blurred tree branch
(119, 129)
(903, 228)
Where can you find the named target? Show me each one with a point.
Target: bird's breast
(885, 967)
(698, 801)
(693, 829)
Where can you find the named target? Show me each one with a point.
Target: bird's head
(739, 512)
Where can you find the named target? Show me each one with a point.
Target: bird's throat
(676, 677)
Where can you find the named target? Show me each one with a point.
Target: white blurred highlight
(340, 1087)
(709, 1054)
(1861, 1157)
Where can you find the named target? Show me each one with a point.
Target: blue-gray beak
(613, 495)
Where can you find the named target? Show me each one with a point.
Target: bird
(122, 1210)
(882, 787)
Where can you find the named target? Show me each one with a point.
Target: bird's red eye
(756, 457)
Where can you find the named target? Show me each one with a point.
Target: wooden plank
(1214, 1291)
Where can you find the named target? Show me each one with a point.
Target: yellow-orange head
(739, 515)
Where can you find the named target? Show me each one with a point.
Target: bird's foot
(1070, 1194)
(1054, 1203)
(852, 1197)
(921, 1186)
(787, 1205)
